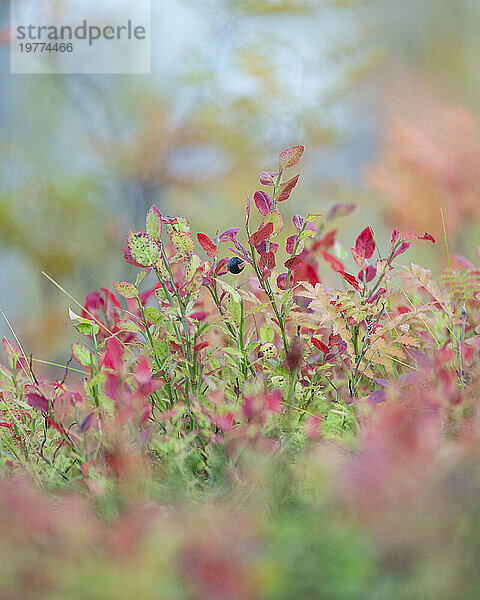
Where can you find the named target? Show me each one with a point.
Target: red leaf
(307, 273)
(334, 262)
(286, 189)
(365, 244)
(395, 235)
(267, 261)
(37, 401)
(200, 346)
(221, 267)
(264, 202)
(52, 423)
(207, 244)
(319, 344)
(261, 235)
(293, 263)
(327, 241)
(290, 157)
(350, 279)
(291, 241)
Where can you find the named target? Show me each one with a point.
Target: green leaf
(141, 276)
(229, 289)
(81, 354)
(125, 289)
(153, 314)
(306, 233)
(128, 325)
(182, 241)
(143, 248)
(154, 223)
(233, 352)
(234, 309)
(266, 333)
(85, 326)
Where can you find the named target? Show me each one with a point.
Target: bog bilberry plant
(227, 359)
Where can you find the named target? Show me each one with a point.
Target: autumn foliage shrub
(231, 427)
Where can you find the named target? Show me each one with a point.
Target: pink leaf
(395, 235)
(464, 262)
(365, 244)
(312, 426)
(86, 423)
(264, 202)
(129, 258)
(358, 258)
(401, 249)
(143, 373)
(229, 234)
(267, 177)
(225, 423)
(340, 210)
(113, 358)
(414, 236)
(274, 401)
(299, 222)
(282, 281)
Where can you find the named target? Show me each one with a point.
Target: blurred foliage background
(385, 96)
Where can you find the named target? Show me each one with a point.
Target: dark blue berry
(236, 265)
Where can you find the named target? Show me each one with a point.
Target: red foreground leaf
(261, 235)
(207, 244)
(350, 279)
(365, 244)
